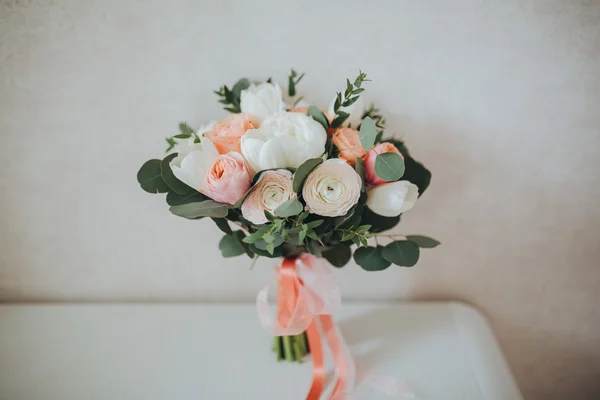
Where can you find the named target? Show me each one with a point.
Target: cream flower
(392, 199)
(332, 188)
(193, 162)
(272, 189)
(262, 100)
(284, 141)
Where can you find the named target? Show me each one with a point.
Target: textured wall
(501, 100)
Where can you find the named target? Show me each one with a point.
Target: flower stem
(288, 348)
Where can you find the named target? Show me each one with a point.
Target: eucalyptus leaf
(423, 242)
(303, 171)
(416, 173)
(186, 129)
(169, 178)
(401, 252)
(150, 178)
(231, 246)
(318, 116)
(389, 166)
(378, 222)
(223, 225)
(339, 255)
(206, 208)
(314, 248)
(263, 253)
(174, 199)
(289, 208)
(359, 167)
(241, 236)
(368, 133)
(370, 258)
(240, 85)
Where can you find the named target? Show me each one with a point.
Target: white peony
(356, 112)
(392, 199)
(193, 161)
(332, 188)
(262, 100)
(285, 140)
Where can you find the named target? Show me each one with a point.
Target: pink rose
(369, 159)
(272, 190)
(347, 140)
(228, 179)
(227, 133)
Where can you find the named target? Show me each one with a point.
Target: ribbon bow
(307, 296)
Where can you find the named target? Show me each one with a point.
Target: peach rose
(227, 133)
(228, 179)
(348, 142)
(369, 159)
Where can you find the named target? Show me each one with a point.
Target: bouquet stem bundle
(291, 348)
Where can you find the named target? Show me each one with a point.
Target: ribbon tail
(344, 364)
(316, 349)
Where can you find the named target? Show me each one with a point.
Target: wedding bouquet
(295, 179)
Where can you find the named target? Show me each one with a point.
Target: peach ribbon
(307, 296)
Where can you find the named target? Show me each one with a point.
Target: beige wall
(501, 100)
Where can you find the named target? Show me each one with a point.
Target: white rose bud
(262, 100)
(272, 190)
(392, 199)
(284, 141)
(332, 188)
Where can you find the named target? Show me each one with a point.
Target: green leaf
(370, 258)
(359, 167)
(416, 173)
(206, 208)
(318, 116)
(315, 224)
(167, 175)
(174, 199)
(303, 216)
(231, 246)
(289, 208)
(269, 216)
(301, 236)
(241, 236)
(223, 225)
(401, 252)
(303, 171)
(186, 129)
(378, 222)
(240, 85)
(263, 253)
(423, 242)
(368, 133)
(339, 255)
(255, 237)
(183, 136)
(339, 120)
(389, 166)
(314, 248)
(362, 229)
(150, 178)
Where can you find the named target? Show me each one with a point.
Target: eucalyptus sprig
(359, 235)
(353, 90)
(231, 97)
(186, 132)
(380, 123)
(293, 80)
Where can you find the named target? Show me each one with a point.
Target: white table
(205, 352)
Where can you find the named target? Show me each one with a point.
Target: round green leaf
(174, 199)
(368, 133)
(370, 258)
(339, 255)
(401, 252)
(150, 178)
(167, 175)
(423, 241)
(265, 253)
(206, 208)
(303, 171)
(231, 246)
(318, 116)
(289, 208)
(389, 166)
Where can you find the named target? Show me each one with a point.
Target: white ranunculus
(285, 140)
(272, 189)
(392, 199)
(356, 111)
(193, 162)
(262, 100)
(332, 188)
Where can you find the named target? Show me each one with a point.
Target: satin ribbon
(307, 296)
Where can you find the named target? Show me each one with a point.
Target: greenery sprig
(293, 80)
(231, 97)
(353, 90)
(186, 132)
(380, 122)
